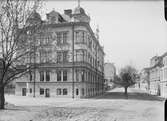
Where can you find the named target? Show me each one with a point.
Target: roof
(78, 10)
(165, 54)
(53, 13)
(34, 15)
(159, 64)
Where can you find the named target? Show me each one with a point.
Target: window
(64, 75)
(59, 38)
(30, 90)
(59, 76)
(82, 91)
(65, 56)
(53, 19)
(58, 91)
(41, 76)
(83, 37)
(77, 37)
(47, 56)
(77, 75)
(77, 92)
(79, 55)
(90, 43)
(30, 76)
(59, 57)
(41, 91)
(65, 91)
(82, 75)
(65, 38)
(47, 76)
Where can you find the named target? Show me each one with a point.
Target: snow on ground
(113, 106)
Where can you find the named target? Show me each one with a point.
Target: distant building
(109, 73)
(163, 76)
(157, 75)
(154, 74)
(69, 58)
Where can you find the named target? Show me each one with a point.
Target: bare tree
(126, 78)
(13, 16)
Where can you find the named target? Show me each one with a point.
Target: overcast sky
(131, 31)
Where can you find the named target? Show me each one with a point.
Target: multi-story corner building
(109, 73)
(68, 58)
(163, 76)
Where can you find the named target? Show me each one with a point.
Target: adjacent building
(68, 58)
(157, 76)
(154, 71)
(163, 76)
(109, 74)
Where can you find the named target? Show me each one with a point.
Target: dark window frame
(47, 76)
(65, 91)
(77, 91)
(41, 76)
(41, 91)
(58, 76)
(64, 75)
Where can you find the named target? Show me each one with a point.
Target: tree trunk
(2, 98)
(126, 92)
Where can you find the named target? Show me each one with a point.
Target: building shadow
(131, 96)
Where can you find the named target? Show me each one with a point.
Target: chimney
(68, 12)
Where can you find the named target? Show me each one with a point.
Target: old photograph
(83, 60)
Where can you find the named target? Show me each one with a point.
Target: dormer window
(53, 19)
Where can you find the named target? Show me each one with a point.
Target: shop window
(65, 91)
(77, 92)
(30, 90)
(41, 91)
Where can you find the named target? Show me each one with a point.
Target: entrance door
(47, 92)
(23, 91)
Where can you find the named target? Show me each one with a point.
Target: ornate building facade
(157, 75)
(154, 75)
(68, 58)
